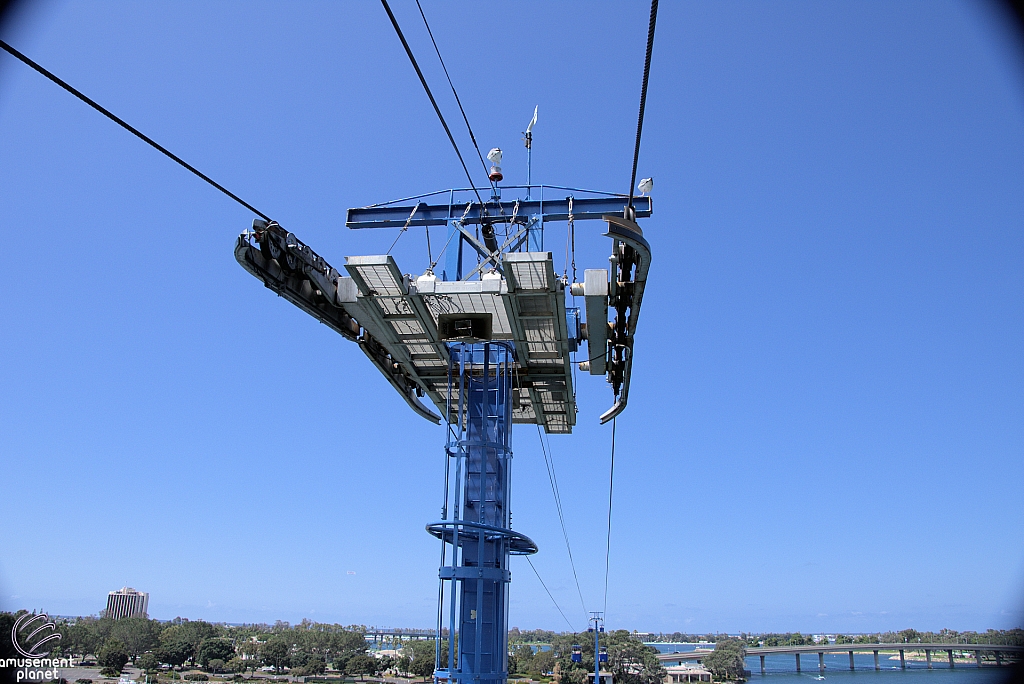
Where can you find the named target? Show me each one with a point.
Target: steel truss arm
(494, 212)
(297, 273)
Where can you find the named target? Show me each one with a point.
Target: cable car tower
(487, 342)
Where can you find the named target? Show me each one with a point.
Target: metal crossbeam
(397, 216)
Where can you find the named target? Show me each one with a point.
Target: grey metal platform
(527, 308)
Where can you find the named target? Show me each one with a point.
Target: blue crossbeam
(440, 214)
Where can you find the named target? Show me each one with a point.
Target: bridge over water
(999, 653)
(392, 635)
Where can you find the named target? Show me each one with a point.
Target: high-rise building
(127, 603)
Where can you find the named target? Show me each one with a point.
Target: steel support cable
(643, 97)
(549, 593)
(125, 125)
(405, 228)
(430, 95)
(472, 137)
(453, 233)
(608, 541)
(456, 94)
(549, 462)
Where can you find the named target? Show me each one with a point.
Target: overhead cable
(549, 593)
(456, 94)
(643, 96)
(426, 88)
(549, 462)
(608, 541)
(123, 124)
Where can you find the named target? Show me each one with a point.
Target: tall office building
(127, 603)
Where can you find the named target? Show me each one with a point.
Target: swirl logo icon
(30, 645)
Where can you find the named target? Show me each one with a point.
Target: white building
(686, 674)
(127, 603)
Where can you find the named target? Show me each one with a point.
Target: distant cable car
(577, 654)
(602, 656)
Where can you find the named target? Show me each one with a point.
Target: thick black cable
(123, 124)
(549, 462)
(456, 94)
(643, 96)
(549, 593)
(608, 541)
(437, 110)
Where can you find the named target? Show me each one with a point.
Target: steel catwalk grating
(527, 307)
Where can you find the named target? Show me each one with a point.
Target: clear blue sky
(826, 425)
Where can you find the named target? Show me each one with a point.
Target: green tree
(148, 662)
(909, 635)
(542, 662)
(173, 652)
(138, 634)
(421, 657)
(236, 664)
(305, 663)
(726, 661)
(113, 656)
(385, 663)
(78, 639)
(215, 648)
(422, 665)
(275, 652)
(315, 665)
(631, 661)
(345, 644)
(521, 659)
(362, 665)
(191, 633)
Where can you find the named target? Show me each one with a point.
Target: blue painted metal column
(597, 620)
(475, 529)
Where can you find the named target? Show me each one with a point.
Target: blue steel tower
(489, 342)
(476, 525)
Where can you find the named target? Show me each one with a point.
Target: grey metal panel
(376, 275)
(400, 321)
(595, 294)
(394, 319)
(398, 317)
(536, 310)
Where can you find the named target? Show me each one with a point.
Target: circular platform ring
(519, 544)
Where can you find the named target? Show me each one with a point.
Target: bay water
(781, 669)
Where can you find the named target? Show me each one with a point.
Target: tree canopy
(726, 661)
(113, 655)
